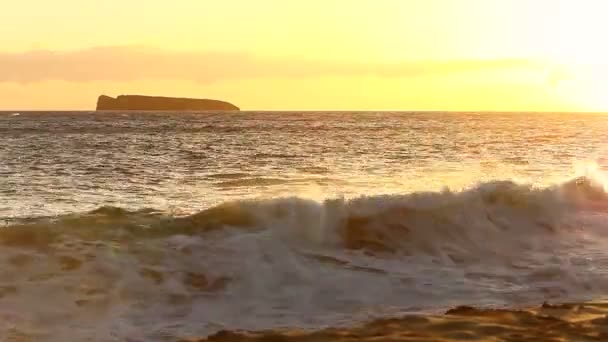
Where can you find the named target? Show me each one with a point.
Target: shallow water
(156, 226)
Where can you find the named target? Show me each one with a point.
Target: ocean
(159, 226)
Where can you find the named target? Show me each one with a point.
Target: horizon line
(317, 111)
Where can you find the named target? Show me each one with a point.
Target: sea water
(156, 226)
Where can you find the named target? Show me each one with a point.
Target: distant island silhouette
(140, 102)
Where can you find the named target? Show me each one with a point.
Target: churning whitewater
(161, 226)
(259, 264)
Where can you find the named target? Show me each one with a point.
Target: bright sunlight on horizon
(501, 55)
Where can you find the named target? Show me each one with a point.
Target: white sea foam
(114, 274)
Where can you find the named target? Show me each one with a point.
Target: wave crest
(293, 261)
(386, 223)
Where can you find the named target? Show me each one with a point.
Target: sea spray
(268, 263)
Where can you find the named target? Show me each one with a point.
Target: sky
(501, 55)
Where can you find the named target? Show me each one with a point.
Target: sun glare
(580, 53)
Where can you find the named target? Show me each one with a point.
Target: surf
(493, 206)
(269, 263)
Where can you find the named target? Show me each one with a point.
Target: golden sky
(312, 55)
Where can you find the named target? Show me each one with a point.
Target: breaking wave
(296, 262)
(376, 223)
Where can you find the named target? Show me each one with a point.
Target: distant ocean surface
(158, 226)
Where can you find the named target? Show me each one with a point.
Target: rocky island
(139, 102)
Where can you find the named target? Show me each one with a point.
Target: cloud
(129, 63)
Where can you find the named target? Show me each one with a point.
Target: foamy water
(157, 226)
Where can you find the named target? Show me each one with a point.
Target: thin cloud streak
(130, 63)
